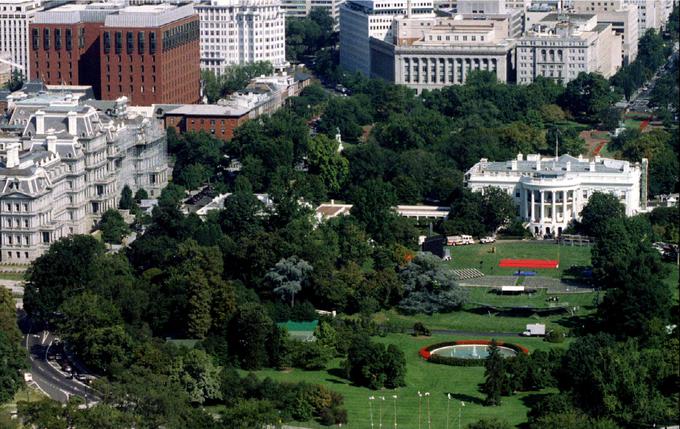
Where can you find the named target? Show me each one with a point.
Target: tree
(600, 209)
(248, 333)
(498, 208)
(325, 161)
(198, 376)
(374, 207)
(93, 327)
(587, 96)
(67, 266)
(12, 364)
(288, 276)
(16, 80)
(8, 316)
(495, 375)
(113, 226)
(126, 201)
(141, 194)
(370, 364)
(430, 287)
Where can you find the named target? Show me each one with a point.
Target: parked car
(487, 240)
(459, 240)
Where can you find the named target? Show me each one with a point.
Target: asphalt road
(49, 379)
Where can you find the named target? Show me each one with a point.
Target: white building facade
(301, 8)
(560, 50)
(15, 15)
(240, 32)
(67, 166)
(430, 53)
(551, 192)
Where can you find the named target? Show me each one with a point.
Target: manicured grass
(632, 124)
(12, 276)
(474, 320)
(479, 256)
(438, 380)
(538, 300)
(673, 279)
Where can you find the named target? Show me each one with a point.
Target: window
(46, 39)
(152, 43)
(119, 42)
(81, 38)
(130, 42)
(35, 37)
(140, 44)
(69, 42)
(46, 237)
(107, 42)
(57, 38)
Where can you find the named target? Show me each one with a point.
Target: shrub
(421, 330)
(555, 335)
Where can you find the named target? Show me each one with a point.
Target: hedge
(426, 354)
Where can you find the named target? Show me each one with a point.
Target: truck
(534, 330)
(459, 240)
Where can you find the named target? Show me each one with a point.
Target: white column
(533, 206)
(542, 212)
(523, 195)
(564, 206)
(554, 208)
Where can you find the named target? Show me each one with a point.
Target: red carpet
(528, 263)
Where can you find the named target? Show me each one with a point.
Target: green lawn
(673, 279)
(11, 276)
(479, 256)
(632, 124)
(438, 380)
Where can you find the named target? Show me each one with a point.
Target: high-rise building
(15, 16)
(240, 32)
(68, 166)
(647, 15)
(150, 53)
(361, 20)
(622, 17)
(560, 47)
(301, 8)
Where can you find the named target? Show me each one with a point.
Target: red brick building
(220, 121)
(149, 53)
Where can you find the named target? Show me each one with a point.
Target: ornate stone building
(65, 165)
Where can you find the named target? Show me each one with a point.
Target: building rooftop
(549, 166)
(208, 110)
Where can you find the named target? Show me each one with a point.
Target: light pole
(460, 408)
(448, 409)
(370, 408)
(382, 399)
(394, 400)
(429, 418)
(420, 407)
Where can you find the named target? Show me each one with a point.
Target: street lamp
(429, 418)
(394, 397)
(370, 408)
(420, 405)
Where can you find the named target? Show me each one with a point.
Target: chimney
(520, 157)
(12, 156)
(568, 168)
(597, 158)
(51, 141)
(72, 123)
(40, 122)
(538, 162)
(591, 166)
(513, 165)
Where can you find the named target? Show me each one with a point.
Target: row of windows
(130, 42)
(58, 40)
(17, 207)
